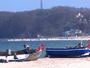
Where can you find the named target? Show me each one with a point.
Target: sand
(50, 63)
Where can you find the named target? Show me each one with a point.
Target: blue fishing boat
(68, 52)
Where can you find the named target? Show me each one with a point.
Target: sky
(26, 5)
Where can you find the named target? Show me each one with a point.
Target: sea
(19, 45)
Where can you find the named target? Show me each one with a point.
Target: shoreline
(49, 38)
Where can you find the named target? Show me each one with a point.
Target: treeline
(44, 22)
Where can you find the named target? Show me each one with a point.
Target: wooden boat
(9, 52)
(68, 52)
(26, 50)
(22, 55)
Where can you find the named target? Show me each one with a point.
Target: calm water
(18, 45)
(34, 44)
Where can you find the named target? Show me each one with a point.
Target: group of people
(80, 45)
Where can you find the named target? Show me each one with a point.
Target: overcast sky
(23, 5)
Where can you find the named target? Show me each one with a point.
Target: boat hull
(17, 52)
(21, 57)
(66, 52)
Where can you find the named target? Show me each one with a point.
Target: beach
(50, 63)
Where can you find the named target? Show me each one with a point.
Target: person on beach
(15, 56)
(9, 51)
(80, 45)
(8, 54)
(27, 49)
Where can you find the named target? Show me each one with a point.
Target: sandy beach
(50, 63)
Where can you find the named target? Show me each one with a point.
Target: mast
(41, 4)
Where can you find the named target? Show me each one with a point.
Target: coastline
(49, 38)
(50, 63)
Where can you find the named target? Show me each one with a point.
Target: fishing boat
(68, 52)
(18, 52)
(22, 55)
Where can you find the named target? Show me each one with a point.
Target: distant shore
(50, 38)
(50, 63)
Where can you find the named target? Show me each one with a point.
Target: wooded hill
(44, 22)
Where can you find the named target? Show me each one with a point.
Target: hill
(44, 22)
